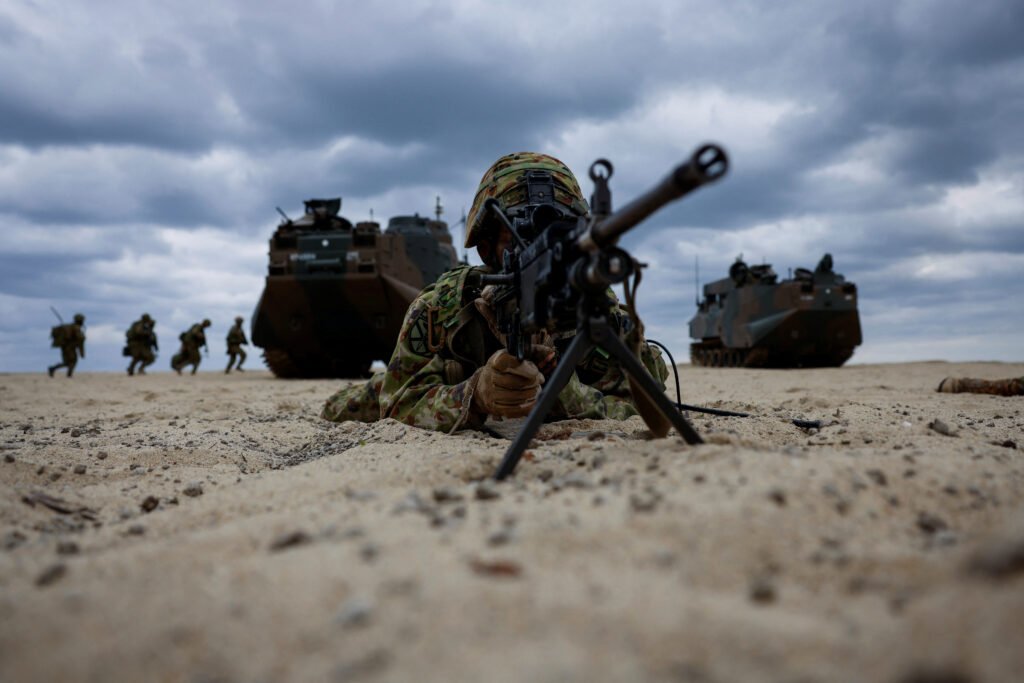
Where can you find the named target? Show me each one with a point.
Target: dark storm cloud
(130, 132)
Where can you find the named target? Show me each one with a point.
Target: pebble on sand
(52, 574)
(193, 489)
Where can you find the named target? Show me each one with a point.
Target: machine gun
(556, 279)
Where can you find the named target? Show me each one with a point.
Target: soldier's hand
(484, 306)
(506, 386)
(545, 357)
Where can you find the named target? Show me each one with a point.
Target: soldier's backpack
(60, 335)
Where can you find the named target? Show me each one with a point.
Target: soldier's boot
(997, 387)
(194, 368)
(231, 361)
(52, 369)
(131, 369)
(71, 371)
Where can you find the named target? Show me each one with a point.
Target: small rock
(646, 501)
(79, 469)
(545, 474)
(369, 552)
(290, 539)
(500, 537)
(777, 496)
(136, 530)
(998, 559)
(447, 494)
(52, 574)
(877, 476)
(930, 524)
(496, 568)
(54, 476)
(193, 489)
(75, 433)
(67, 548)
(762, 590)
(487, 490)
(8, 457)
(150, 503)
(355, 612)
(102, 455)
(941, 427)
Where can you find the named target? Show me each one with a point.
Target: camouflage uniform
(444, 340)
(141, 344)
(235, 340)
(72, 345)
(996, 387)
(191, 342)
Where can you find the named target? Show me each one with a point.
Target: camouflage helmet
(505, 181)
(79, 318)
(146, 318)
(239, 319)
(206, 322)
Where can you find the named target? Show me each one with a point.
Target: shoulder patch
(418, 334)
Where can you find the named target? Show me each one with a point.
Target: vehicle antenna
(438, 209)
(696, 280)
(57, 314)
(284, 215)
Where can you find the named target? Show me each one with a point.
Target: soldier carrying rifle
(451, 370)
(192, 340)
(70, 339)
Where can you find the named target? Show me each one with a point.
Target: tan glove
(506, 386)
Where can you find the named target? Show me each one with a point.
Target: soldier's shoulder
(447, 290)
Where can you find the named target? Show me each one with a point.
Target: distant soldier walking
(70, 339)
(141, 344)
(191, 341)
(236, 339)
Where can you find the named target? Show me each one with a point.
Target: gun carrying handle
(706, 165)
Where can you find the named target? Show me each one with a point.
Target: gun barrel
(708, 164)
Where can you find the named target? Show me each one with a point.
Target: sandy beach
(213, 528)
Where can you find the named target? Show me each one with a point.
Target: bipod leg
(580, 345)
(638, 374)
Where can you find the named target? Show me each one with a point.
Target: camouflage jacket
(74, 338)
(236, 336)
(444, 340)
(141, 333)
(195, 336)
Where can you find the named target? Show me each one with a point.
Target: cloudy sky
(144, 146)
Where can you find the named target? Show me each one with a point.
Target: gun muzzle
(708, 164)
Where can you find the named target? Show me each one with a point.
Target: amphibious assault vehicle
(336, 293)
(751, 319)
